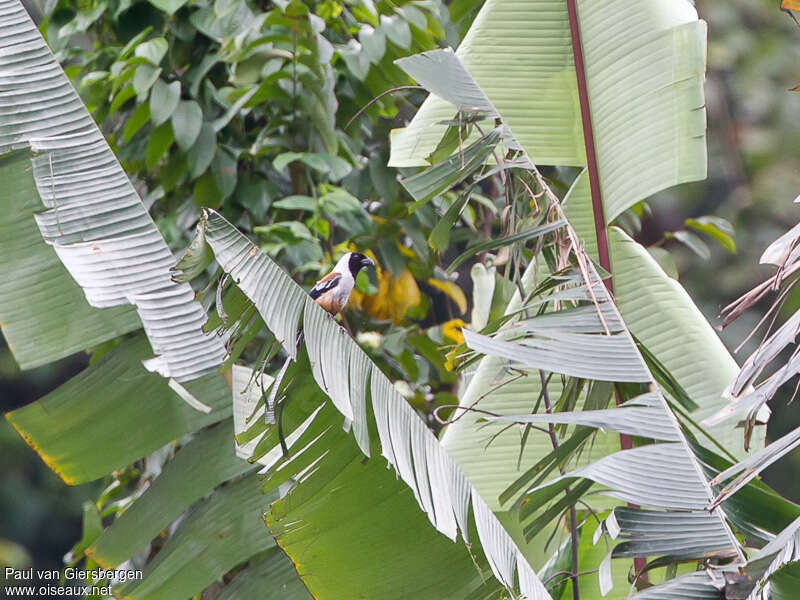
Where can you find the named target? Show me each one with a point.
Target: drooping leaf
(642, 416)
(187, 119)
(601, 357)
(201, 465)
(202, 152)
(96, 409)
(781, 555)
(695, 586)
(44, 313)
(219, 533)
(750, 467)
(645, 141)
(432, 181)
(92, 216)
(195, 259)
(675, 534)
(345, 373)
(440, 234)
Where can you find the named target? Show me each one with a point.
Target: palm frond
(589, 339)
(345, 373)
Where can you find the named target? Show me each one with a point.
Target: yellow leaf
(452, 330)
(407, 252)
(454, 292)
(795, 89)
(394, 297)
(790, 5)
(405, 294)
(451, 359)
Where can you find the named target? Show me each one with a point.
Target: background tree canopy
(275, 116)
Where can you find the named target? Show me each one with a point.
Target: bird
(333, 291)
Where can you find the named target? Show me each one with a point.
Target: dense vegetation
(256, 111)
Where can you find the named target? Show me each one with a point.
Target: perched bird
(333, 291)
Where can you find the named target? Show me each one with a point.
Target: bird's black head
(357, 262)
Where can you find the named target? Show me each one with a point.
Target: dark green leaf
(219, 533)
(297, 202)
(717, 228)
(136, 121)
(441, 176)
(201, 465)
(95, 409)
(225, 171)
(201, 153)
(195, 260)
(440, 235)
(187, 121)
(498, 243)
(158, 144)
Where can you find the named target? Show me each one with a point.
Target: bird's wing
(330, 281)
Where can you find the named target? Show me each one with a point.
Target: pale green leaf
(143, 79)
(397, 30)
(663, 317)
(644, 72)
(152, 50)
(91, 214)
(43, 312)
(164, 100)
(691, 241)
(168, 6)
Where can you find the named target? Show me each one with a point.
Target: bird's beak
(367, 262)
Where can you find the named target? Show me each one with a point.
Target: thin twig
(776, 308)
(569, 575)
(481, 397)
(573, 519)
(576, 247)
(472, 409)
(378, 97)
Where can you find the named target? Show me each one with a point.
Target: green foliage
(247, 108)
